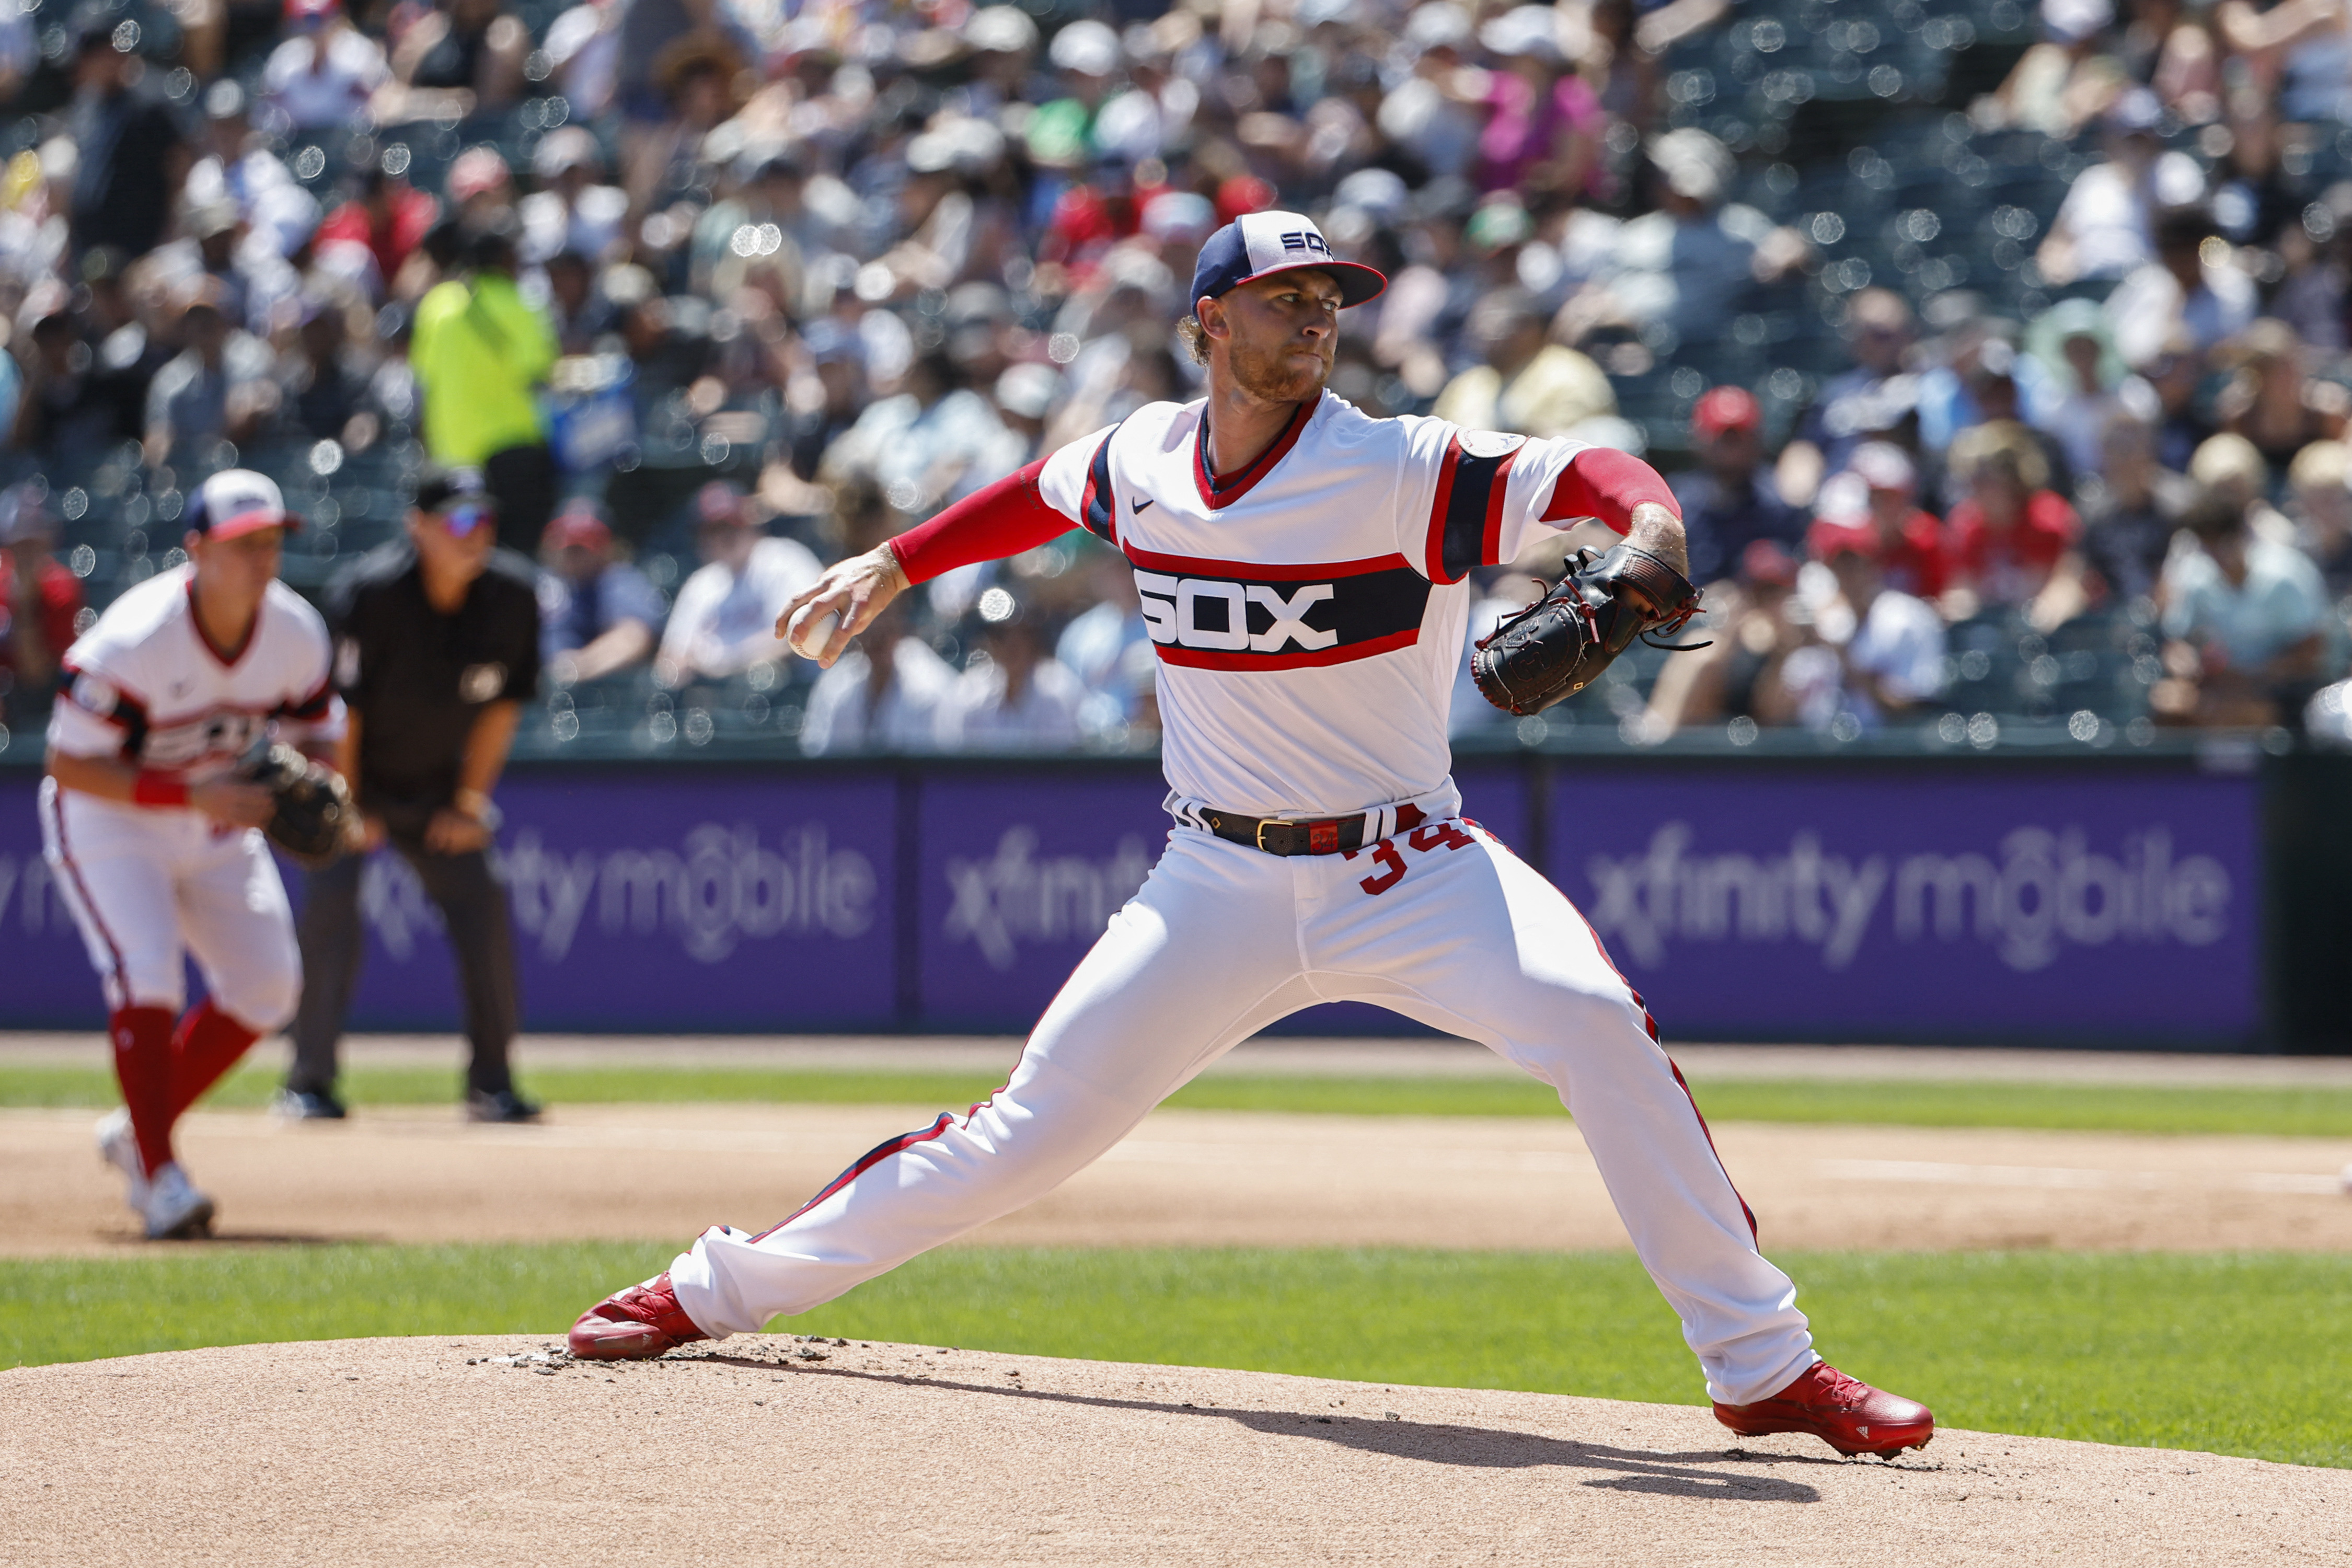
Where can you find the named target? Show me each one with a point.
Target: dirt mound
(777, 1451)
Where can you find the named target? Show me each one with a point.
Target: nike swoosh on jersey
(1139, 505)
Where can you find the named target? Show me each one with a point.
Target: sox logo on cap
(1256, 245)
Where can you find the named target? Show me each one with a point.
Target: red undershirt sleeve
(992, 523)
(1608, 485)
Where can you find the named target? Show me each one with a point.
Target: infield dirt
(1183, 1178)
(368, 1452)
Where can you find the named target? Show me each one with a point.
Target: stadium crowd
(1998, 358)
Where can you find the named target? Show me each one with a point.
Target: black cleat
(502, 1105)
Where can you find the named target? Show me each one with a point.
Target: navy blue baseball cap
(1258, 245)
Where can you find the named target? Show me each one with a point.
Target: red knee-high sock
(143, 1064)
(208, 1044)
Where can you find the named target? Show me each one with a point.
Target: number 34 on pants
(1392, 861)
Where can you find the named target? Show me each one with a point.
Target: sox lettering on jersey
(1222, 614)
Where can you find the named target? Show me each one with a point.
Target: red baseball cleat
(1848, 1414)
(635, 1324)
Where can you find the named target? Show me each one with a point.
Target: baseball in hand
(811, 633)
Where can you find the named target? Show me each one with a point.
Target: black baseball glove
(315, 811)
(1554, 647)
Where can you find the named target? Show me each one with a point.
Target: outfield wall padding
(2091, 900)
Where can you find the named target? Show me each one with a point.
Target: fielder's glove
(1554, 647)
(315, 815)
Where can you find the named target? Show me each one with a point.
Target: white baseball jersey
(1308, 612)
(146, 684)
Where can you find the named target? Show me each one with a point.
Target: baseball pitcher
(1303, 569)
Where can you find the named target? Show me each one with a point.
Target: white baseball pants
(1442, 924)
(147, 886)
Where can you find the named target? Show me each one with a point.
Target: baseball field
(1350, 1302)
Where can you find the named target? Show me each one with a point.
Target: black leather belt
(1289, 836)
(1309, 836)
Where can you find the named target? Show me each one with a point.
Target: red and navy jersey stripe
(1466, 520)
(1244, 615)
(1098, 508)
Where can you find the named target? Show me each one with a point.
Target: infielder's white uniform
(148, 884)
(1309, 616)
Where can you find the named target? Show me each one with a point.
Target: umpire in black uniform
(436, 650)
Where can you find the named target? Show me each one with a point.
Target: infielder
(155, 840)
(1303, 570)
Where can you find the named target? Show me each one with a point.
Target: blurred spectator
(2059, 82)
(2106, 225)
(890, 703)
(2132, 511)
(1738, 674)
(326, 393)
(2071, 342)
(1544, 124)
(2192, 284)
(236, 165)
(386, 214)
(1728, 501)
(218, 388)
(323, 76)
(2231, 467)
(481, 354)
(2269, 399)
(724, 618)
(464, 56)
(2317, 482)
(133, 157)
(1016, 697)
(1875, 398)
(1107, 645)
(1910, 542)
(597, 613)
(823, 401)
(2247, 620)
(2297, 51)
(1696, 261)
(2178, 374)
(1525, 384)
(573, 210)
(2012, 536)
(934, 442)
(1878, 653)
(40, 600)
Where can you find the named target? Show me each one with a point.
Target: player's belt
(1289, 836)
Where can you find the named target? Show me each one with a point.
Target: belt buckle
(1262, 823)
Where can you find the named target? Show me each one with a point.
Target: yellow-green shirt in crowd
(479, 353)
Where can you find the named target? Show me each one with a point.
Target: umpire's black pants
(481, 938)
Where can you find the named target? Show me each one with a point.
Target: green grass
(2119, 1107)
(2234, 1354)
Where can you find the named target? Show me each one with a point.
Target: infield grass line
(2094, 1108)
(2233, 1353)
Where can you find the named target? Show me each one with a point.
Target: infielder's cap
(1258, 245)
(1727, 408)
(235, 501)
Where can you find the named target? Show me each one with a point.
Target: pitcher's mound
(776, 1449)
